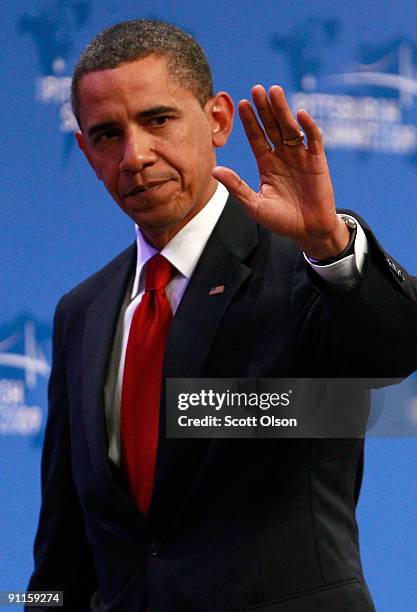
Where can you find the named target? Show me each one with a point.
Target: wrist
(334, 246)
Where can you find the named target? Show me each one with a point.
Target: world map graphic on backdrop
(369, 106)
(24, 370)
(52, 30)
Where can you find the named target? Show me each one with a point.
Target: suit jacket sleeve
(63, 559)
(374, 325)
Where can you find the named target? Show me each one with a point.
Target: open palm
(295, 196)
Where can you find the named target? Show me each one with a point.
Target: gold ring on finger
(294, 142)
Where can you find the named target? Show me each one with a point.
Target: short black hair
(135, 39)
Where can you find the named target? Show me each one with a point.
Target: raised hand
(295, 196)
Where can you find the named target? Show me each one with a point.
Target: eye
(160, 120)
(107, 135)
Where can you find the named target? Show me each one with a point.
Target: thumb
(235, 185)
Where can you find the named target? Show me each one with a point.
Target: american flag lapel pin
(217, 290)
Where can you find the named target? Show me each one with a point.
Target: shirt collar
(185, 248)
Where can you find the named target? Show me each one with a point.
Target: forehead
(133, 87)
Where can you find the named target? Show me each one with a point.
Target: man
(131, 521)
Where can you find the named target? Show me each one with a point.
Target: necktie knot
(159, 271)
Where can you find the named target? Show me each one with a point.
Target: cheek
(111, 180)
(193, 147)
(109, 176)
(197, 158)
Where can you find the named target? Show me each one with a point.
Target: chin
(155, 222)
(159, 216)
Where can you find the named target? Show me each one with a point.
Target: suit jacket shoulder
(86, 292)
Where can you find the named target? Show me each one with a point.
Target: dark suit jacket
(234, 524)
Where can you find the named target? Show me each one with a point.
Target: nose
(138, 151)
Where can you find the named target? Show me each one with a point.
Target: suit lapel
(201, 310)
(193, 331)
(100, 326)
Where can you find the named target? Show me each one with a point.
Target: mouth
(146, 188)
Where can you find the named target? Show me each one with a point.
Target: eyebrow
(99, 127)
(146, 114)
(157, 110)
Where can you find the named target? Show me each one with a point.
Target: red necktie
(142, 380)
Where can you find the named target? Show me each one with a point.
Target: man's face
(150, 142)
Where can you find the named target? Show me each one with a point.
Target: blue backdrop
(353, 64)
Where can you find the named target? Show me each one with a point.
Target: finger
(254, 133)
(312, 131)
(234, 184)
(263, 106)
(287, 123)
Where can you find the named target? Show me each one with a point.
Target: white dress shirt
(184, 251)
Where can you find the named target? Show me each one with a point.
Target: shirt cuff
(346, 273)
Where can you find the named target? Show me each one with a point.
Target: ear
(220, 110)
(79, 136)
